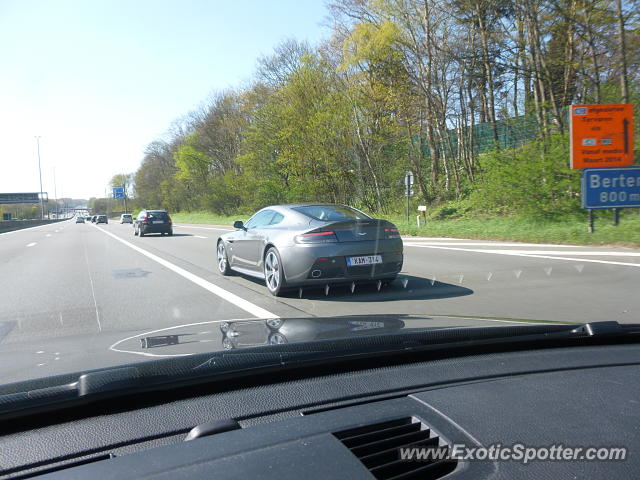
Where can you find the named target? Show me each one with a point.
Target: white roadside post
(423, 211)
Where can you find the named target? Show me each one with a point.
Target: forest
(470, 95)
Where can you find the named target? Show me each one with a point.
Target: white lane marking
(48, 235)
(511, 252)
(551, 252)
(492, 244)
(226, 229)
(93, 292)
(145, 354)
(200, 236)
(216, 290)
(32, 244)
(497, 243)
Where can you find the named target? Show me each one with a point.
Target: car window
(331, 213)
(277, 218)
(260, 219)
(158, 215)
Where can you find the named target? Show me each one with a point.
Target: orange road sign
(601, 136)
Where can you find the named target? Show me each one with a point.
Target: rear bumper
(164, 228)
(300, 261)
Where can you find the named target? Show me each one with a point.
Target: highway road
(80, 296)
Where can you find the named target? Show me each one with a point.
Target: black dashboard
(328, 424)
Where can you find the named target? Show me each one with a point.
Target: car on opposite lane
(311, 244)
(153, 221)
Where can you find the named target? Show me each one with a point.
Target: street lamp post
(40, 171)
(55, 193)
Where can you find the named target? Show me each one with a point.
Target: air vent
(378, 448)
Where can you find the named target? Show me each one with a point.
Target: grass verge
(572, 230)
(206, 218)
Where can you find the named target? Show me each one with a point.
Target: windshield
(259, 174)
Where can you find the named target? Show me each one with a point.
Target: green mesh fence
(511, 133)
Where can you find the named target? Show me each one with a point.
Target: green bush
(532, 180)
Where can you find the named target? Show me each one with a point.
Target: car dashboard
(347, 422)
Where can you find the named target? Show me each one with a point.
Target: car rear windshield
(331, 213)
(158, 215)
(126, 216)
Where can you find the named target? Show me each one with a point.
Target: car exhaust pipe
(316, 273)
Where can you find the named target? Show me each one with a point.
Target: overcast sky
(98, 80)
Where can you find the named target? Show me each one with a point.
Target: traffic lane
(46, 285)
(13, 245)
(531, 287)
(95, 291)
(452, 282)
(446, 282)
(134, 292)
(80, 281)
(459, 282)
(198, 256)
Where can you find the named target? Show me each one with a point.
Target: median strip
(216, 290)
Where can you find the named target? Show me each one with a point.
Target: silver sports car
(291, 246)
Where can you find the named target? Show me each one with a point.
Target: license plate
(365, 260)
(155, 222)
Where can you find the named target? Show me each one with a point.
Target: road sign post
(119, 193)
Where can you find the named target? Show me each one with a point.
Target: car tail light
(145, 219)
(391, 233)
(317, 237)
(169, 220)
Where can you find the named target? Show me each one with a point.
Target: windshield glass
(271, 173)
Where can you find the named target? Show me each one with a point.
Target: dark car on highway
(152, 221)
(312, 244)
(102, 219)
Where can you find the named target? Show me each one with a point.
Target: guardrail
(9, 225)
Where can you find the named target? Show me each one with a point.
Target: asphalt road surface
(80, 296)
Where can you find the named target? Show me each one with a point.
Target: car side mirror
(239, 225)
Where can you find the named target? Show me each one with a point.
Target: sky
(98, 80)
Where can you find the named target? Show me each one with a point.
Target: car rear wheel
(273, 272)
(140, 232)
(170, 232)
(223, 261)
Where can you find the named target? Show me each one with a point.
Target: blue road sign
(118, 192)
(611, 187)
